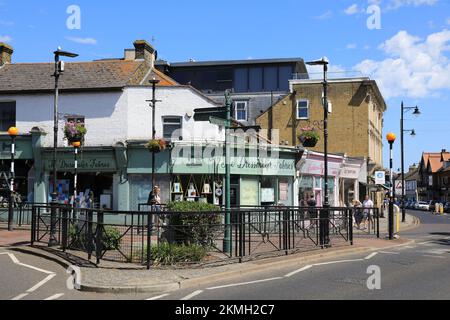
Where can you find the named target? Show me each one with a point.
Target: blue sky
(408, 56)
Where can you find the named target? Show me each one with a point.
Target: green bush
(194, 229)
(111, 238)
(171, 254)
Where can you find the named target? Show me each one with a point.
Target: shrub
(170, 254)
(156, 145)
(111, 238)
(196, 224)
(309, 134)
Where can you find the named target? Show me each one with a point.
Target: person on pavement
(368, 212)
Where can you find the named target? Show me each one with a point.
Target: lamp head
(391, 137)
(321, 62)
(13, 132)
(413, 133)
(416, 111)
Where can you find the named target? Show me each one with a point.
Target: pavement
(119, 278)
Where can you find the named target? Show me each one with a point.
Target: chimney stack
(144, 51)
(6, 52)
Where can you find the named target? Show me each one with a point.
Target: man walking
(312, 211)
(368, 212)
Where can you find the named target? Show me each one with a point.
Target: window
(7, 115)
(302, 109)
(170, 126)
(240, 110)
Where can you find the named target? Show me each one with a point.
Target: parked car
(447, 207)
(422, 205)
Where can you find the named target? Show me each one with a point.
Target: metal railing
(156, 236)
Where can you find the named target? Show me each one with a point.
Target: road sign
(204, 114)
(218, 121)
(380, 177)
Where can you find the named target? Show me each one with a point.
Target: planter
(74, 139)
(309, 142)
(156, 146)
(154, 149)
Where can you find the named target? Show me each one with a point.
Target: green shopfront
(119, 177)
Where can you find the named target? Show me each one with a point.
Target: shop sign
(348, 172)
(94, 164)
(238, 165)
(316, 167)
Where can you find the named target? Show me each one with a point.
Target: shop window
(171, 126)
(7, 115)
(240, 110)
(302, 109)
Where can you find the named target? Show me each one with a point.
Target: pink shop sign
(315, 167)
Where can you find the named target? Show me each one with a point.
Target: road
(417, 271)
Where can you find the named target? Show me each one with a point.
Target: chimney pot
(145, 51)
(6, 52)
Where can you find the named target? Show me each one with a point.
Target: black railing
(155, 236)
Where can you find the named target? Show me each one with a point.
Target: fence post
(65, 222)
(378, 222)
(99, 237)
(89, 234)
(149, 237)
(33, 224)
(350, 225)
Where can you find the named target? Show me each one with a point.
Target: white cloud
(414, 67)
(351, 46)
(325, 15)
(396, 4)
(5, 39)
(448, 21)
(353, 9)
(90, 41)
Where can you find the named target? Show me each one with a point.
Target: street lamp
(416, 113)
(391, 139)
(153, 102)
(76, 145)
(324, 219)
(13, 132)
(59, 69)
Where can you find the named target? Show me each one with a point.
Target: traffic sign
(203, 114)
(218, 121)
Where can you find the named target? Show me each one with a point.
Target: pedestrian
(312, 211)
(154, 199)
(368, 212)
(358, 214)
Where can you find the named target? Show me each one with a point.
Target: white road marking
(298, 271)
(55, 296)
(50, 276)
(35, 268)
(370, 256)
(41, 283)
(193, 294)
(335, 262)
(244, 283)
(389, 252)
(159, 297)
(430, 256)
(20, 296)
(426, 242)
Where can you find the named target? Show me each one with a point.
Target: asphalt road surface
(417, 271)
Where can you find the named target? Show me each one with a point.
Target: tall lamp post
(153, 102)
(324, 216)
(416, 113)
(76, 146)
(391, 139)
(13, 132)
(59, 69)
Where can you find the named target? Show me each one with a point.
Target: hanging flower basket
(74, 132)
(156, 145)
(309, 137)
